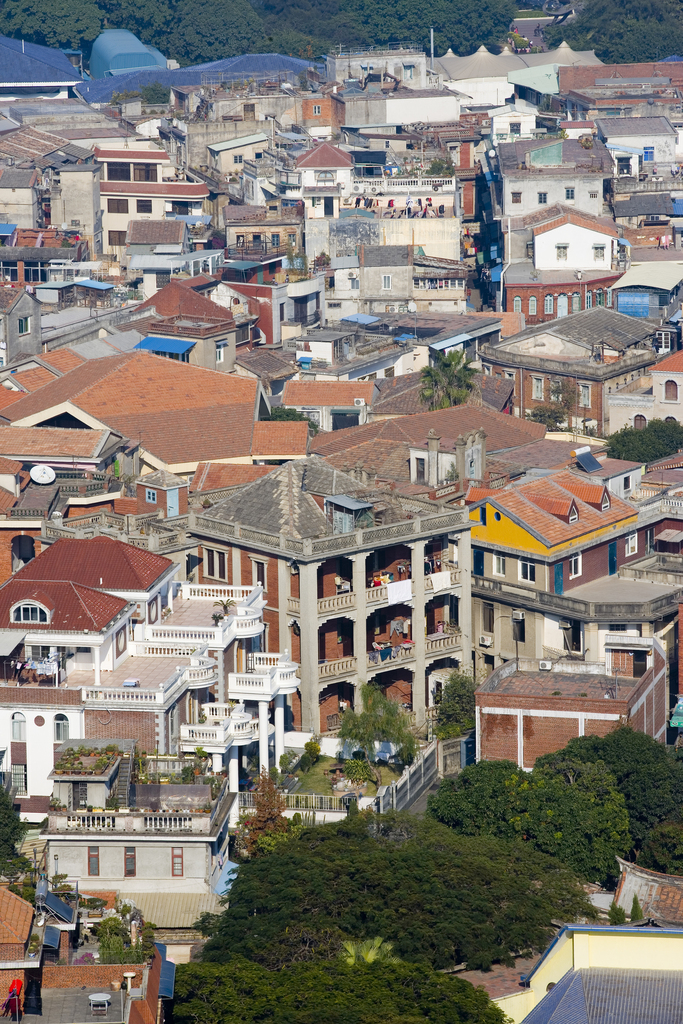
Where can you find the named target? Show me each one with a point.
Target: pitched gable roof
(176, 299)
(76, 608)
(581, 222)
(155, 232)
(325, 155)
(672, 364)
(16, 917)
(102, 563)
(327, 392)
(280, 437)
(210, 476)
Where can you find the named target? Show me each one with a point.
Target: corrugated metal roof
(175, 910)
(244, 140)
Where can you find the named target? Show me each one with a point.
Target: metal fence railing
(415, 780)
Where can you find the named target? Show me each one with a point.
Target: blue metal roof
(100, 286)
(167, 980)
(244, 66)
(456, 339)
(678, 207)
(118, 51)
(361, 318)
(495, 273)
(7, 229)
(175, 345)
(23, 63)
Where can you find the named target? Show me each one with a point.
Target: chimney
(433, 458)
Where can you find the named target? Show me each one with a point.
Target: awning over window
(175, 345)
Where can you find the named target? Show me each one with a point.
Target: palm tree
(448, 382)
(371, 951)
(225, 605)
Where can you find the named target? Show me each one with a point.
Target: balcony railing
(447, 642)
(338, 667)
(401, 654)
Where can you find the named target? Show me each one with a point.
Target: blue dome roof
(117, 51)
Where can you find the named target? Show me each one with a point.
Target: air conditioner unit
(518, 616)
(359, 401)
(545, 666)
(357, 188)
(486, 641)
(390, 309)
(353, 274)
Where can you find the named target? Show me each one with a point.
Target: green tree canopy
(70, 23)
(439, 898)
(455, 709)
(448, 382)
(648, 774)
(657, 440)
(566, 808)
(380, 721)
(366, 993)
(623, 31)
(663, 850)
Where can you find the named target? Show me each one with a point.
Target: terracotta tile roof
(7, 499)
(280, 437)
(544, 454)
(538, 506)
(9, 465)
(331, 392)
(16, 918)
(74, 608)
(154, 232)
(543, 684)
(511, 323)
(8, 296)
(42, 442)
(386, 460)
(33, 379)
(209, 476)
(175, 299)
(124, 506)
(672, 364)
(499, 981)
(581, 222)
(589, 491)
(7, 396)
(398, 396)
(496, 391)
(502, 431)
(325, 155)
(475, 494)
(98, 562)
(179, 190)
(63, 359)
(182, 413)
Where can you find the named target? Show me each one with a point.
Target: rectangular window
(537, 388)
(19, 780)
(592, 195)
(237, 158)
(117, 238)
(150, 496)
(355, 284)
(144, 172)
(144, 205)
(569, 193)
(548, 304)
(572, 636)
(260, 574)
(516, 197)
(477, 562)
(386, 282)
(219, 353)
(408, 72)
(118, 172)
(317, 110)
(487, 617)
(24, 325)
(499, 565)
(585, 396)
(598, 253)
(627, 485)
(221, 564)
(527, 571)
(117, 206)
(561, 252)
(648, 154)
(631, 544)
(515, 127)
(93, 861)
(177, 861)
(542, 198)
(275, 241)
(574, 566)
(420, 471)
(130, 862)
(649, 540)
(519, 631)
(210, 562)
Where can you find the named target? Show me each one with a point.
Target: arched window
(548, 304)
(576, 302)
(639, 422)
(532, 306)
(671, 391)
(61, 728)
(18, 727)
(589, 300)
(517, 304)
(671, 419)
(29, 613)
(599, 297)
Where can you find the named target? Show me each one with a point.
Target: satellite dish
(42, 474)
(492, 152)
(412, 307)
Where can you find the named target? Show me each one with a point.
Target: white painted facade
(663, 403)
(512, 122)
(572, 247)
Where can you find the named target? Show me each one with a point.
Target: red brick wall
(388, 561)
(296, 710)
(595, 727)
(571, 285)
(544, 735)
(397, 685)
(138, 725)
(45, 695)
(383, 617)
(328, 646)
(295, 585)
(468, 199)
(11, 951)
(329, 705)
(92, 975)
(498, 738)
(272, 620)
(6, 538)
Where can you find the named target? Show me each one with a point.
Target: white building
(512, 122)
(639, 143)
(658, 396)
(574, 242)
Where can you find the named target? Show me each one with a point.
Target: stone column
(263, 735)
(465, 594)
(284, 587)
(236, 566)
(98, 677)
(170, 595)
(217, 763)
(418, 631)
(360, 633)
(234, 769)
(279, 728)
(591, 642)
(308, 621)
